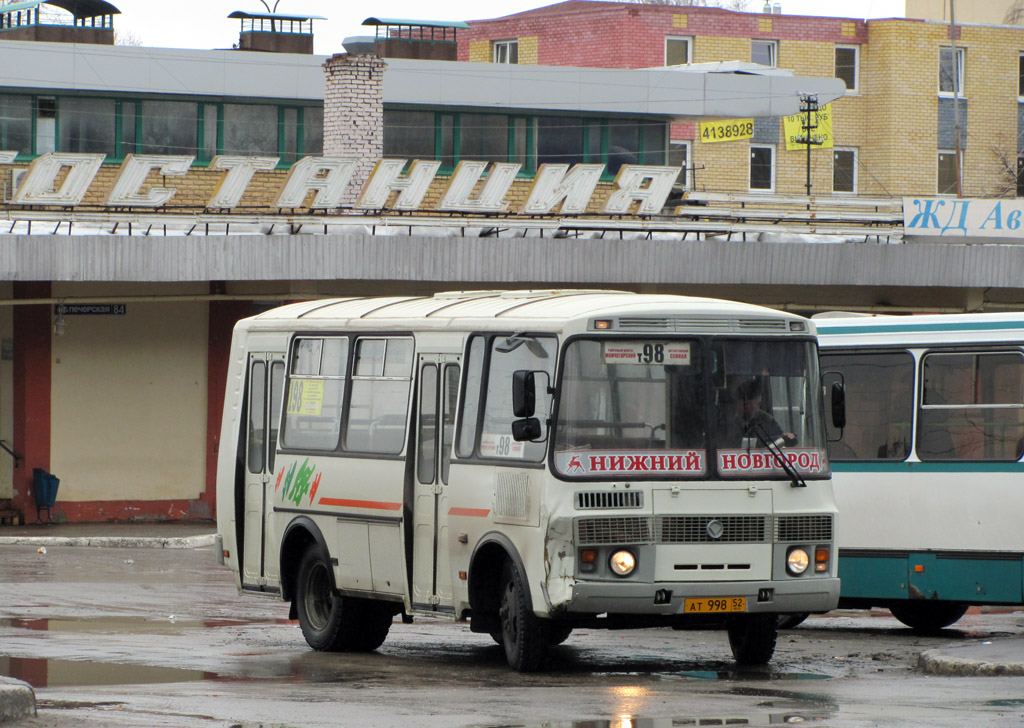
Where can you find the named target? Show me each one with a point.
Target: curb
(184, 542)
(989, 659)
(17, 700)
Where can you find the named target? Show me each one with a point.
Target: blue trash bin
(44, 489)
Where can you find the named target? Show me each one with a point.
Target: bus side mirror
(524, 394)
(526, 429)
(838, 396)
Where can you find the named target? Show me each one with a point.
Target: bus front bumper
(663, 598)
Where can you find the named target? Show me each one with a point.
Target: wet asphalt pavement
(153, 637)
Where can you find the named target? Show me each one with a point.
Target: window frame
(772, 46)
(687, 145)
(960, 61)
(1020, 76)
(855, 88)
(772, 167)
(951, 189)
(853, 171)
(509, 48)
(688, 39)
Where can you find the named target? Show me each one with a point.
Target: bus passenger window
(879, 405)
(972, 406)
(315, 391)
(468, 420)
(379, 405)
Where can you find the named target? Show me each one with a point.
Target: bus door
(266, 382)
(435, 430)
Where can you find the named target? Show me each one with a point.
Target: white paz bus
(533, 461)
(928, 469)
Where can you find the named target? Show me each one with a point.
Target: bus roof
(923, 329)
(523, 309)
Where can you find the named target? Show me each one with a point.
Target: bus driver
(749, 419)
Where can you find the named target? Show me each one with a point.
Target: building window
(169, 127)
(846, 66)
(506, 51)
(16, 123)
(951, 75)
(763, 52)
(1020, 76)
(677, 51)
(762, 168)
(947, 173)
(249, 129)
(844, 170)
(1020, 176)
(679, 156)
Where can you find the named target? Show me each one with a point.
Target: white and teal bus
(531, 461)
(927, 471)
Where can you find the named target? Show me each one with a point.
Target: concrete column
(354, 114)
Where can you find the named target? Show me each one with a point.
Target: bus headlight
(797, 561)
(622, 563)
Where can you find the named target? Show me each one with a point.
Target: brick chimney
(354, 113)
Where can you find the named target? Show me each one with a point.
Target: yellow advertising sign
(306, 397)
(793, 127)
(726, 131)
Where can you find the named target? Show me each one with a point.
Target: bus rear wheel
(752, 638)
(524, 635)
(331, 622)
(926, 617)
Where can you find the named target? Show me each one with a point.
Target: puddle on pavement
(749, 675)
(40, 673)
(126, 625)
(792, 717)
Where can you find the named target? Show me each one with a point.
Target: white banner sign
(951, 217)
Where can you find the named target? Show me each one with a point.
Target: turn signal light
(588, 560)
(821, 559)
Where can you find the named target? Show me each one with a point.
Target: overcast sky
(204, 23)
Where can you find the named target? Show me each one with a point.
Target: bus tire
(329, 621)
(927, 617)
(752, 638)
(789, 621)
(524, 635)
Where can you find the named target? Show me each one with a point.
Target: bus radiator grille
(612, 530)
(803, 528)
(694, 529)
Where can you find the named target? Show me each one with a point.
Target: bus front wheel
(752, 638)
(926, 617)
(331, 622)
(524, 635)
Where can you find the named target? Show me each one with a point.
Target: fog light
(622, 563)
(797, 561)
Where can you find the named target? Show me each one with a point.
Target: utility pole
(956, 98)
(809, 108)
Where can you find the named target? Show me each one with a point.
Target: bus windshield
(689, 408)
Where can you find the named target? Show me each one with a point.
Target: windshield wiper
(773, 447)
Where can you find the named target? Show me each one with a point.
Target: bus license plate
(716, 605)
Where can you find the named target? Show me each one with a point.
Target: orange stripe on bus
(345, 502)
(475, 512)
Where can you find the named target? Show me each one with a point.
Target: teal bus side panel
(873, 577)
(965, 579)
(983, 579)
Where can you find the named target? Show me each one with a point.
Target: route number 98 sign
(650, 353)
